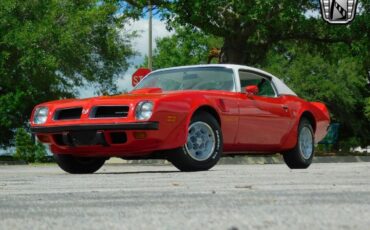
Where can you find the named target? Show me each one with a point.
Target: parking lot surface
(325, 196)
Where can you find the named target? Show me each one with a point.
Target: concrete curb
(13, 163)
(250, 160)
(341, 159)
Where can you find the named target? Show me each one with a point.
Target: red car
(189, 115)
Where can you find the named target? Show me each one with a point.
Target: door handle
(285, 107)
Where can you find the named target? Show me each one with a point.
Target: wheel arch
(209, 109)
(310, 117)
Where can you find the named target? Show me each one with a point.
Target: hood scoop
(147, 90)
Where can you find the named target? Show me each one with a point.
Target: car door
(264, 118)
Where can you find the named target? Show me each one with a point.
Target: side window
(265, 88)
(264, 85)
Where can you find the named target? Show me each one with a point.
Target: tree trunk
(234, 50)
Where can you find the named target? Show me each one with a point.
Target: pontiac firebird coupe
(189, 115)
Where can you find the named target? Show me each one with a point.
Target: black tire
(181, 157)
(79, 165)
(295, 158)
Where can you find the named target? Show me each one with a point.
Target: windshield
(197, 78)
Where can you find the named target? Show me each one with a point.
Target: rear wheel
(301, 156)
(203, 147)
(79, 165)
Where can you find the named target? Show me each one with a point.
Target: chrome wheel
(201, 141)
(306, 142)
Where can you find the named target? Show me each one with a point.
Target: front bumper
(108, 139)
(95, 127)
(91, 137)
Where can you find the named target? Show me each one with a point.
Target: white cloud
(139, 44)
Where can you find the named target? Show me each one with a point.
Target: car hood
(102, 100)
(131, 98)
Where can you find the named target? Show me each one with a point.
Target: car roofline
(229, 66)
(281, 87)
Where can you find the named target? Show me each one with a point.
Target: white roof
(279, 84)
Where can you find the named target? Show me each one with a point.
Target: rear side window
(264, 85)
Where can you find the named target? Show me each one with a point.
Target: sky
(140, 45)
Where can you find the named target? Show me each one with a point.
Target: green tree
(26, 149)
(367, 108)
(250, 28)
(329, 74)
(48, 48)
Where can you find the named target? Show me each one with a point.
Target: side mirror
(251, 90)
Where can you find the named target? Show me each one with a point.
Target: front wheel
(79, 165)
(203, 147)
(301, 156)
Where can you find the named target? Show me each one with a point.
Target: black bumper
(95, 127)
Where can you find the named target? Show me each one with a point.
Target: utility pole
(150, 54)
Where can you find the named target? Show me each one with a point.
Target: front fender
(175, 117)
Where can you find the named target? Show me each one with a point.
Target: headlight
(40, 116)
(144, 110)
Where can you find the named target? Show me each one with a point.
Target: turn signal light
(171, 118)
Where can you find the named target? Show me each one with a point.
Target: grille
(80, 138)
(68, 114)
(118, 137)
(58, 138)
(110, 111)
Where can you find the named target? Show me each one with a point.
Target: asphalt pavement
(325, 196)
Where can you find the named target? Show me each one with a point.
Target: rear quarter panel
(322, 118)
(298, 107)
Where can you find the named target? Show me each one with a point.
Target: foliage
(250, 28)
(50, 47)
(27, 150)
(348, 144)
(367, 108)
(328, 74)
